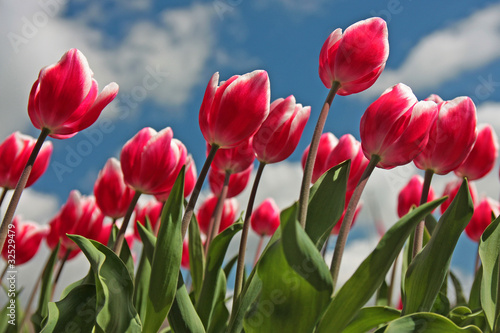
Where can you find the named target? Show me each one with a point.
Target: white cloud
(34, 206)
(444, 54)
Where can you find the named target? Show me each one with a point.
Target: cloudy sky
(447, 47)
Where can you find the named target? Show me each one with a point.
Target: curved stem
(240, 267)
(120, 236)
(419, 230)
(59, 271)
(21, 184)
(311, 156)
(4, 193)
(348, 217)
(196, 191)
(213, 228)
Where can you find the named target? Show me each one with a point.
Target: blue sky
(446, 47)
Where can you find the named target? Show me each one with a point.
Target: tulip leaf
(196, 257)
(425, 322)
(326, 203)
(372, 271)
(220, 314)
(45, 290)
(113, 288)
(489, 251)
(287, 302)
(143, 275)
(429, 268)
(370, 318)
(215, 257)
(463, 316)
(459, 294)
(75, 312)
(182, 316)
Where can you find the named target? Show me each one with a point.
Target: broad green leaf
(429, 268)
(113, 288)
(74, 313)
(475, 291)
(370, 318)
(166, 259)
(148, 241)
(215, 257)
(128, 260)
(326, 203)
(425, 322)
(381, 295)
(489, 251)
(196, 257)
(372, 271)
(141, 285)
(441, 304)
(182, 316)
(459, 294)
(463, 316)
(45, 290)
(220, 314)
(229, 265)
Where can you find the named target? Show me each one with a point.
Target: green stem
(257, 251)
(419, 230)
(59, 271)
(120, 236)
(311, 156)
(21, 184)
(240, 267)
(348, 218)
(213, 228)
(325, 247)
(390, 290)
(196, 191)
(4, 193)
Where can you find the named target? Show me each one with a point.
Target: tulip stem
(196, 191)
(4, 193)
(325, 247)
(240, 267)
(311, 156)
(419, 230)
(21, 184)
(59, 271)
(120, 236)
(213, 228)
(348, 218)
(257, 251)
(390, 289)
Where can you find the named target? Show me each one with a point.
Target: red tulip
(152, 211)
(185, 254)
(189, 181)
(237, 181)
(112, 195)
(348, 148)
(106, 232)
(410, 195)
(451, 190)
(483, 155)
(336, 227)
(482, 217)
(434, 98)
(234, 160)
(151, 161)
(396, 127)
(265, 219)
(280, 133)
(232, 112)
(27, 237)
(14, 154)
(327, 143)
(207, 209)
(355, 58)
(65, 98)
(451, 137)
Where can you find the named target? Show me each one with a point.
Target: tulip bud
(355, 58)
(237, 181)
(189, 181)
(410, 195)
(266, 218)
(234, 160)
(484, 212)
(27, 237)
(65, 98)
(451, 190)
(327, 143)
(151, 211)
(206, 212)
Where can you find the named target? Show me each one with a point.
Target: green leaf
(196, 257)
(326, 203)
(463, 316)
(458, 289)
(215, 257)
(427, 323)
(113, 288)
(429, 268)
(489, 251)
(128, 260)
(74, 313)
(182, 316)
(166, 259)
(141, 285)
(229, 265)
(372, 271)
(370, 318)
(381, 296)
(148, 241)
(475, 291)
(220, 314)
(45, 290)
(441, 304)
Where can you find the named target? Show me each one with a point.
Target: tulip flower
(232, 112)
(483, 155)
(410, 195)
(189, 181)
(206, 211)
(237, 181)
(266, 218)
(65, 98)
(112, 195)
(355, 58)
(327, 143)
(234, 160)
(14, 154)
(280, 133)
(451, 137)
(27, 237)
(434, 98)
(451, 190)
(484, 212)
(150, 211)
